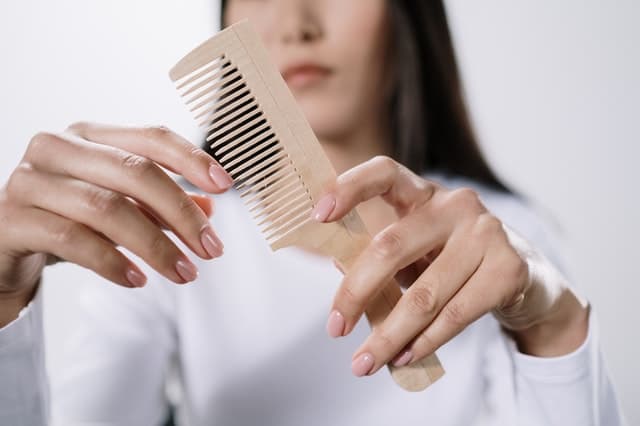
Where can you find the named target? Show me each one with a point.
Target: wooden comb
(262, 139)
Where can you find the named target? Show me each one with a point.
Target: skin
(55, 208)
(457, 260)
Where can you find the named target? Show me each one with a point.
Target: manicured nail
(403, 359)
(335, 324)
(136, 278)
(220, 177)
(186, 270)
(362, 365)
(323, 209)
(211, 243)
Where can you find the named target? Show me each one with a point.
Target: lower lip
(304, 78)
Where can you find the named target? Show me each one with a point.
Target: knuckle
(454, 314)
(15, 187)
(136, 165)
(349, 297)
(488, 225)
(384, 162)
(104, 202)
(157, 132)
(188, 207)
(40, 141)
(197, 154)
(465, 198)
(422, 300)
(66, 234)
(425, 343)
(387, 244)
(159, 245)
(79, 127)
(385, 341)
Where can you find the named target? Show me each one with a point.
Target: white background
(553, 88)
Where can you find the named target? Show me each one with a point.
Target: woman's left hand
(458, 261)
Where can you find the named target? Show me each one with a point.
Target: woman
(377, 79)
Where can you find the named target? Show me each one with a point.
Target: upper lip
(303, 67)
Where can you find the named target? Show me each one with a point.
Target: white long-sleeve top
(248, 346)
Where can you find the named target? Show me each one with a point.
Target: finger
(164, 147)
(39, 231)
(380, 176)
(129, 174)
(421, 303)
(394, 248)
(205, 203)
(487, 288)
(108, 213)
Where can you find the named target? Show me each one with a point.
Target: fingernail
(335, 324)
(186, 270)
(220, 177)
(403, 359)
(211, 243)
(362, 365)
(323, 209)
(136, 278)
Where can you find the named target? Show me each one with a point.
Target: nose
(297, 21)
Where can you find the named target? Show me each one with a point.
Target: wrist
(563, 331)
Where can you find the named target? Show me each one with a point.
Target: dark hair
(430, 125)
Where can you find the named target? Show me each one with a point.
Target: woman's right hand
(78, 195)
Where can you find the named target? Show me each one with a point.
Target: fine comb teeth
(254, 128)
(262, 139)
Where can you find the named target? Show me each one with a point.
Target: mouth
(305, 74)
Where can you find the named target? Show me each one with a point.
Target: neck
(349, 150)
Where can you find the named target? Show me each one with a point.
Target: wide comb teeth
(244, 141)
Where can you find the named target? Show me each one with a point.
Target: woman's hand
(79, 194)
(458, 261)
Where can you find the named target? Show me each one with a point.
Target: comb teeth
(244, 142)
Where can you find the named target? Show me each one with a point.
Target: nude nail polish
(187, 270)
(211, 243)
(135, 278)
(335, 324)
(220, 177)
(403, 359)
(323, 209)
(362, 365)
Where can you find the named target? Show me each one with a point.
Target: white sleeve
(117, 358)
(23, 382)
(573, 389)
